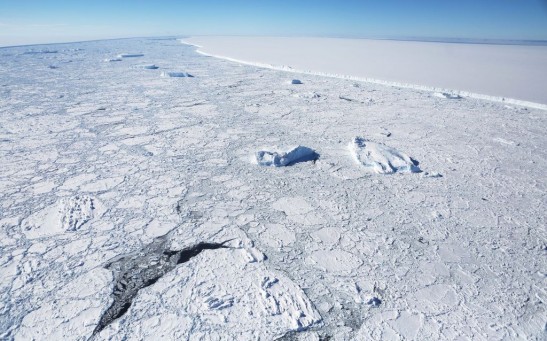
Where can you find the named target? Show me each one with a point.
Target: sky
(48, 21)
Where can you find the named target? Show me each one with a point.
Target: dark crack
(141, 269)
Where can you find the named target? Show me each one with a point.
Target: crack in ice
(139, 270)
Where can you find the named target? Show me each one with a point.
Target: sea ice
(282, 159)
(381, 159)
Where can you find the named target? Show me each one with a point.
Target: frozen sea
(150, 192)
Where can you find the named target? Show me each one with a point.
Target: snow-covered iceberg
(381, 159)
(282, 159)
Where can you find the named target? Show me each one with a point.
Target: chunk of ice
(282, 159)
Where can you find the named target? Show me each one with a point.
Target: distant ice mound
(282, 159)
(68, 214)
(113, 60)
(446, 95)
(381, 159)
(176, 74)
(130, 55)
(296, 81)
(147, 67)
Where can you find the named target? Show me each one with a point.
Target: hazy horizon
(56, 21)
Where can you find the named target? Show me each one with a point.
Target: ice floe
(282, 159)
(381, 159)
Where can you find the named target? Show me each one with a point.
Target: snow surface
(99, 160)
(513, 73)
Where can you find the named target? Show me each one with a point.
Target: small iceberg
(296, 81)
(283, 159)
(381, 159)
(130, 55)
(176, 74)
(113, 60)
(147, 67)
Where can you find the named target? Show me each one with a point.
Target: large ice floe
(282, 159)
(381, 159)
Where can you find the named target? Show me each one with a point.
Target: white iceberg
(381, 159)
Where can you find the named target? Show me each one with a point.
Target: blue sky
(36, 21)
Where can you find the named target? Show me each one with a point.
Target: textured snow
(97, 167)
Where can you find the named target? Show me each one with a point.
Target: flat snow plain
(113, 178)
(501, 72)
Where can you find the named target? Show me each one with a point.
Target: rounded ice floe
(381, 159)
(130, 55)
(281, 159)
(176, 74)
(296, 81)
(69, 214)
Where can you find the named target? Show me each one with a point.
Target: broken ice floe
(381, 159)
(69, 214)
(446, 95)
(296, 81)
(282, 159)
(176, 74)
(130, 55)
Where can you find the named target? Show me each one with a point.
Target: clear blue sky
(26, 21)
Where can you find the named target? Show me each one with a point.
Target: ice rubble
(447, 95)
(381, 159)
(282, 159)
